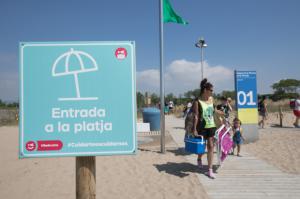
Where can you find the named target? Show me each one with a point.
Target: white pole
(162, 89)
(202, 75)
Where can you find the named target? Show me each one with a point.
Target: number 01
(244, 98)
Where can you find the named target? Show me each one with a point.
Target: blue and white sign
(245, 83)
(77, 99)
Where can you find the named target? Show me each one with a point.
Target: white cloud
(148, 80)
(181, 76)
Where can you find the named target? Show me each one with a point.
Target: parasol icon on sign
(71, 70)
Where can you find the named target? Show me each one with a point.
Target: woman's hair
(263, 98)
(205, 85)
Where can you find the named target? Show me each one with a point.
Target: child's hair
(237, 120)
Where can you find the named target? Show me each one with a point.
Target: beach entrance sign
(246, 103)
(77, 99)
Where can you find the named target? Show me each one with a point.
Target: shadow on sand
(182, 152)
(278, 126)
(179, 151)
(182, 169)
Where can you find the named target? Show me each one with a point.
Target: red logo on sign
(49, 145)
(30, 146)
(121, 53)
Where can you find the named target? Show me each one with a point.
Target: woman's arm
(229, 106)
(219, 111)
(266, 110)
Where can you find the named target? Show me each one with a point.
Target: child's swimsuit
(237, 137)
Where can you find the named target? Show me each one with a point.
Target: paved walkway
(241, 177)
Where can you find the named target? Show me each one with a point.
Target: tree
(140, 100)
(8, 105)
(154, 99)
(286, 88)
(2, 104)
(230, 94)
(13, 105)
(192, 94)
(170, 97)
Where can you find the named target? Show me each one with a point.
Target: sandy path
(148, 174)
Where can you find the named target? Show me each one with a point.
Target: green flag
(170, 15)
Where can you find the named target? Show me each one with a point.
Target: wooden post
(85, 177)
(280, 116)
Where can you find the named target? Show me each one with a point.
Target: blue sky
(241, 35)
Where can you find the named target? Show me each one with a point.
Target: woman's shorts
(297, 113)
(263, 114)
(207, 133)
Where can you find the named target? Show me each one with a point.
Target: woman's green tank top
(208, 114)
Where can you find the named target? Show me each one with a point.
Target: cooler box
(195, 145)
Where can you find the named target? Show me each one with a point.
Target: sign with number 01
(246, 96)
(246, 103)
(245, 83)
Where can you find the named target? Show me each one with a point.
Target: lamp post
(201, 44)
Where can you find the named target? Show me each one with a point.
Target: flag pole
(162, 88)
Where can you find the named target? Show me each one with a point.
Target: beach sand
(148, 174)
(278, 146)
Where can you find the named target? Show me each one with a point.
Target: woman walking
(204, 123)
(297, 112)
(263, 112)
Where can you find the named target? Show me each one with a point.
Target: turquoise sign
(77, 99)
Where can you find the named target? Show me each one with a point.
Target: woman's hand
(195, 132)
(219, 112)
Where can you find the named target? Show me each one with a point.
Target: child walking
(237, 135)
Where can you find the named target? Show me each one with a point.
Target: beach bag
(189, 121)
(292, 103)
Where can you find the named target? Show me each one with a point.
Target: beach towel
(225, 142)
